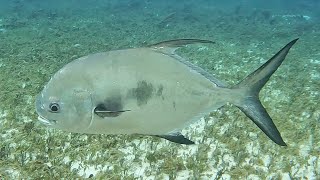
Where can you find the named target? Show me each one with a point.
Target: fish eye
(54, 107)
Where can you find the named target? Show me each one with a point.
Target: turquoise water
(39, 37)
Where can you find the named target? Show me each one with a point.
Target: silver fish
(150, 91)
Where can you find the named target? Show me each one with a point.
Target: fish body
(150, 91)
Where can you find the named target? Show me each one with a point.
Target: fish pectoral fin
(104, 114)
(102, 111)
(176, 138)
(168, 47)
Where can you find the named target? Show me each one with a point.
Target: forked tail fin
(251, 85)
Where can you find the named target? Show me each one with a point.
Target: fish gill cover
(39, 37)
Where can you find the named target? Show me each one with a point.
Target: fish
(149, 91)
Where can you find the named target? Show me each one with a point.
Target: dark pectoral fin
(102, 111)
(177, 138)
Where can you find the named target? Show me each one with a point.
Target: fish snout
(42, 111)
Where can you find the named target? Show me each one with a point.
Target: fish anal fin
(168, 47)
(177, 138)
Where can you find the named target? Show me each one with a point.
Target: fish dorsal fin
(177, 138)
(168, 47)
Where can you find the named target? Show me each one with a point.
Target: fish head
(65, 105)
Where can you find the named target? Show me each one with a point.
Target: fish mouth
(41, 110)
(47, 122)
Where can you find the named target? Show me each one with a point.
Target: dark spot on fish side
(174, 105)
(142, 93)
(159, 91)
(111, 107)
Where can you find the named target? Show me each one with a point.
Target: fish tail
(250, 87)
